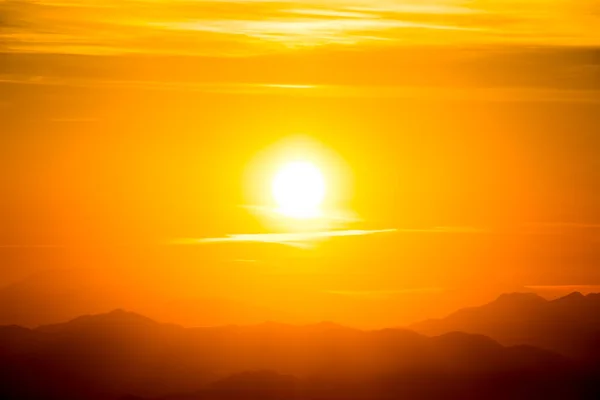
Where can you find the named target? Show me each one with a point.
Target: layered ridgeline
(569, 325)
(126, 355)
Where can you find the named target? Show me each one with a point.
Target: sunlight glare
(299, 190)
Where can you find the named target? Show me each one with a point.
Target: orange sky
(462, 136)
(254, 26)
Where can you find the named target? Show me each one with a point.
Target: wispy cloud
(445, 229)
(307, 239)
(525, 94)
(293, 239)
(385, 294)
(254, 26)
(305, 31)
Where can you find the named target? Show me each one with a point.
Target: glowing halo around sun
(299, 189)
(298, 184)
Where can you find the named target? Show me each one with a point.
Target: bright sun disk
(299, 190)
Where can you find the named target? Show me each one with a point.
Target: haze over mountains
(118, 354)
(56, 295)
(567, 325)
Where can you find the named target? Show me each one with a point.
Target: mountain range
(124, 355)
(569, 325)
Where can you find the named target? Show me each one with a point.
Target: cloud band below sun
(285, 238)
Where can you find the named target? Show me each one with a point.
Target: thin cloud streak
(445, 229)
(301, 239)
(243, 27)
(284, 238)
(526, 94)
(309, 32)
(385, 294)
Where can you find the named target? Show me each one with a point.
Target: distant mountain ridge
(54, 296)
(566, 324)
(120, 353)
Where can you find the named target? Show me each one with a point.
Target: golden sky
(242, 27)
(461, 137)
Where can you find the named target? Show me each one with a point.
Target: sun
(299, 190)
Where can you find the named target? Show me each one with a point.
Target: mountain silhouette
(54, 296)
(126, 355)
(568, 325)
(118, 319)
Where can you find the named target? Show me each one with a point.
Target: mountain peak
(120, 315)
(115, 318)
(574, 297)
(119, 312)
(519, 299)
